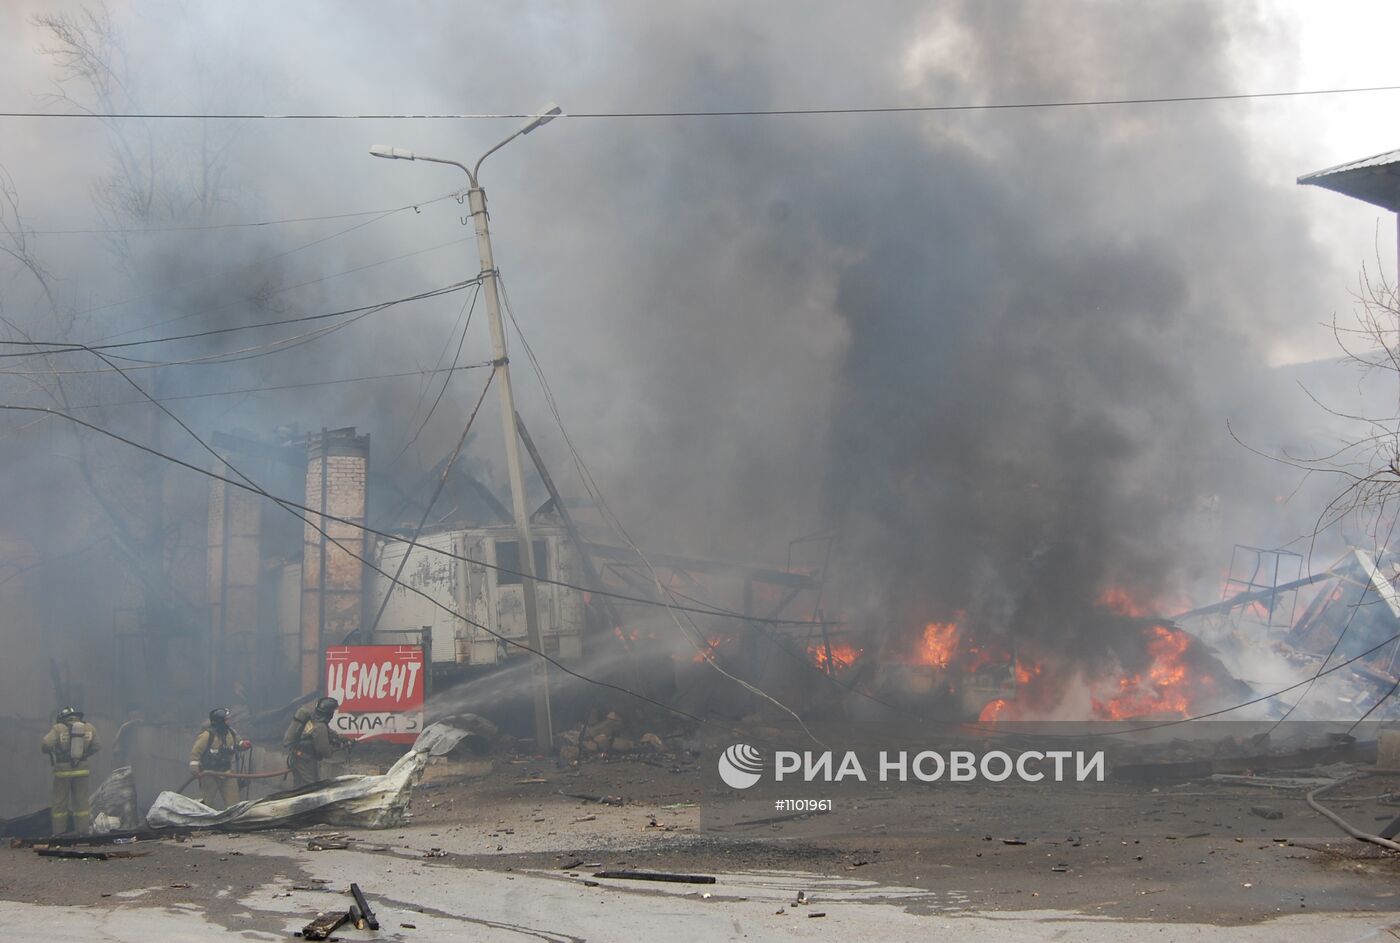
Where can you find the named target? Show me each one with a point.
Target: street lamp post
(476, 197)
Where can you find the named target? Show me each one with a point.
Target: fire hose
(1342, 823)
(240, 776)
(346, 744)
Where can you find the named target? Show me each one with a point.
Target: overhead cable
(699, 113)
(598, 591)
(60, 347)
(251, 485)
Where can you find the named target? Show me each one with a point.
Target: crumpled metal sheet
(349, 801)
(114, 803)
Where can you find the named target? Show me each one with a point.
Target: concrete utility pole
(476, 198)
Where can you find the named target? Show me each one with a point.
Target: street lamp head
(545, 115)
(390, 153)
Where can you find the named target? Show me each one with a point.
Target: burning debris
(1150, 668)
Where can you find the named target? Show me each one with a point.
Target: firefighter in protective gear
(213, 752)
(314, 741)
(70, 743)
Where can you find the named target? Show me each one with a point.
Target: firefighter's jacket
(214, 751)
(315, 740)
(58, 744)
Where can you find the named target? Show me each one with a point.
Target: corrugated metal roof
(1376, 180)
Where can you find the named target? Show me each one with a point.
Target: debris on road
(1280, 783)
(656, 876)
(111, 838)
(336, 842)
(353, 801)
(324, 925)
(87, 855)
(1265, 812)
(365, 910)
(602, 800)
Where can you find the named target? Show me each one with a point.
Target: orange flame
(842, 655)
(993, 710)
(1163, 690)
(1119, 600)
(940, 643)
(707, 652)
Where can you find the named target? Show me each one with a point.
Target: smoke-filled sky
(997, 349)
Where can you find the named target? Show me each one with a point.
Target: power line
(1308, 682)
(328, 517)
(264, 260)
(258, 489)
(244, 353)
(456, 357)
(708, 113)
(285, 386)
(700, 643)
(63, 347)
(428, 508)
(13, 407)
(1252, 701)
(254, 224)
(284, 288)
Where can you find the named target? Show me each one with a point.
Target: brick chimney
(332, 580)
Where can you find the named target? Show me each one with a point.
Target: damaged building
(282, 592)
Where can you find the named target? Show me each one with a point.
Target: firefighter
(70, 743)
(213, 752)
(314, 741)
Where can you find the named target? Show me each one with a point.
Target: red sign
(380, 690)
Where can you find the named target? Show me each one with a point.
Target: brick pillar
(233, 564)
(332, 580)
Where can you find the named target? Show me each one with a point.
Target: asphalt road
(485, 857)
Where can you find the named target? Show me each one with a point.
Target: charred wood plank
(79, 854)
(111, 838)
(657, 876)
(324, 925)
(365, 911)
